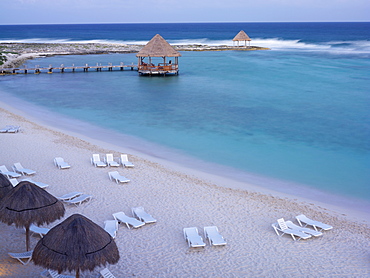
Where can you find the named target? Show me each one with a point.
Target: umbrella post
(27, 237)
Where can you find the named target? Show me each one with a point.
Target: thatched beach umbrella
(5, 186)
(242, 36)
(28, 204)
(76, 244)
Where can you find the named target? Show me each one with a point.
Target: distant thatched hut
(242, 36)
(158, 47)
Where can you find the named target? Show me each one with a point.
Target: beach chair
(117, 177)
(142, 215)
(293, 226)
(193, 238)
(10, 129)
(38, 183)
(8, 173)
(111, 227)
(124, 161)
(24, 257)
(38, 230)
(54, 274)
(14, 182)
(283, 228)
(79, 200)
(110, 161)
(214, 237)
(129, 221)
(316, 224)
(14, 129)
(5, 129)
(95, 160)
(105, 273)
(47, 273)
(17, 167)
(69, 196)
(60, 163)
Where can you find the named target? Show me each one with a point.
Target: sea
(294, 118)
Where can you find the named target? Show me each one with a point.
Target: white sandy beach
(178, 199)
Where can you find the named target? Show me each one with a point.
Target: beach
(178, 199)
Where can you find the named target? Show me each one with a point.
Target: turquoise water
(298, 113)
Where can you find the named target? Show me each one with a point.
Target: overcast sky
(162, 11)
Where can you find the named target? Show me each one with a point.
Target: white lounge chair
(38, 183)
(105, 273)
(193, 238)
(54, 274)
(142, 215)
(111, 227)
(117, 177)
(283, 228)
(14, 182)
(95, 160)
(110, 161)
(79, 200)
(125, 162)
(69, 196)
(24, 257)
(291, 225)
(38, 230)
(5, 129)
(10, 129)
(8, 173)
(316, 224)
(214, 237)
(129, 221)
(60, 163)
(17, 167)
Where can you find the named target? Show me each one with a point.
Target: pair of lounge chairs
(18, 171)
(211, 233)
(14, 182)
(141, 217)
(75, 198)
(109, 161)
(10, 129)
(300, 232)
(117, 177)
(60, 163)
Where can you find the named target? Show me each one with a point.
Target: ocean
(294, 118)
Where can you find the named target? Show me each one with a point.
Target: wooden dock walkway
(73, 68)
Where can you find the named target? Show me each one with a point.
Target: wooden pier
(63, 69)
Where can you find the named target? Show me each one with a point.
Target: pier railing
(162, 67)
(50, 69)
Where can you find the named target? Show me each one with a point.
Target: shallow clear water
(299, 115)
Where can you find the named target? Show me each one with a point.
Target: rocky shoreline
(15, 54)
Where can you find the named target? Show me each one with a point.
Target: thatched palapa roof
(28, 204)
(242, 36)
(158, 47)
(76, 244)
